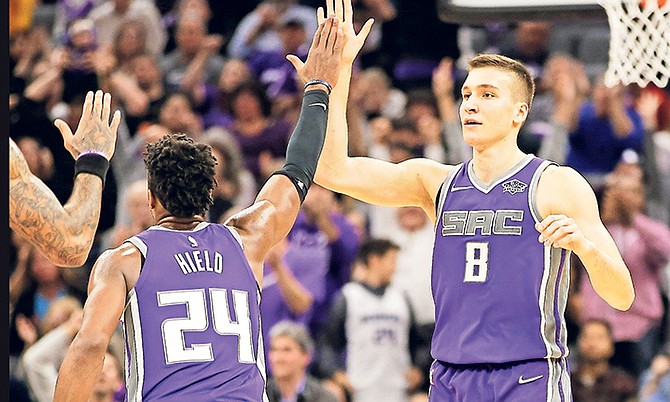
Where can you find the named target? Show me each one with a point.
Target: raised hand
(343, 11)
(94, 131)
(325, 54)
(443, 81)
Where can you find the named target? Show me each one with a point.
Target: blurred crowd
(216, 70)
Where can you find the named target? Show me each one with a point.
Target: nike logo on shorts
(527, 380)
(323, 105)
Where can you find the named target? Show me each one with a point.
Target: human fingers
(348, 12)
(116, 120)
(88, 107)
(320, 16)
(67, 135)
(555, 227)
(319, 35)
(106, 107)
(97, 103)
(339, 10)
(329, 35)
(330, 7)
(365, 30)
(297, 63)
(338, 45)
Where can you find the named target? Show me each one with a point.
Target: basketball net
(639, 42)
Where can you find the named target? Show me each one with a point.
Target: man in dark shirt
(595, 380)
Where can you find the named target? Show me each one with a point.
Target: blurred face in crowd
(292, 35)
(411, 218)
(416, 111)
(247, 106)
(595, 343)
(130, 40)
(122, 6)
(81, 34)
(174, 111)
(603, 97)
(146, 71)
(375, 85)
(190, 34)
(533, 37)
(624, 194)
(234, 72)
(137, 204)
(109, 379)
(384, 265)
(199, 8)
(287, 359)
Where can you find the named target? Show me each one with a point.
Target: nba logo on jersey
(514, 186)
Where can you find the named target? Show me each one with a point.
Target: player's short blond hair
(509, 65)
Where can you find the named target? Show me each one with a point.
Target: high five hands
(343, 49)
(325, 54)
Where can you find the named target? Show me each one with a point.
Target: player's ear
(152, 199)
(521, 112)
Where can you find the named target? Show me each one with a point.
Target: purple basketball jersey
(500, 295)
(192, 323)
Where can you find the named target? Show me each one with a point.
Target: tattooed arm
(64, 233)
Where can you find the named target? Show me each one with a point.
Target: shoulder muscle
(562, 190)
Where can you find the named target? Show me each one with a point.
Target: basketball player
(189, 290)
(505, 222)
(65, 233)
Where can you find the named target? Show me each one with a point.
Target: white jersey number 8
(197, 320)
(476, 262)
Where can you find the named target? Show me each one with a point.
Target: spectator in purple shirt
(607, 126)
(271, 68)
(255, 130)
(215, 101)
(303, 275)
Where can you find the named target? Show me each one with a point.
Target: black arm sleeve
(304, 147)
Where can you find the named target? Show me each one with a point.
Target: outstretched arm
(64, 233)
(106, 300)
(572, 222)
(414, 182)
(270, 218)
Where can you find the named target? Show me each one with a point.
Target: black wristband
(92, 163)
(320, 82)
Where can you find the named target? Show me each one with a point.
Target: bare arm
(63, 233)
(621, 122)
(135, 100)
(414, 182)
(572, 222)
(106, 300)
(194, 76)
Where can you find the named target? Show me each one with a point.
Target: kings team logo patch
(514, 186)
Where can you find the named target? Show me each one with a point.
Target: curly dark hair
(181, 174)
